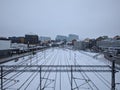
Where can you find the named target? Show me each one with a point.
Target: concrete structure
(61, 38)
(73, 37)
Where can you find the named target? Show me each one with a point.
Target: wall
(5, 44)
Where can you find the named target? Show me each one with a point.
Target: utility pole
(75, 59)
(71, 78)
(40, 79)
(1, 78)
(70, 54)
(113, 75)
(44, 54)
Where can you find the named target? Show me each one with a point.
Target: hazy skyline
(86, 18)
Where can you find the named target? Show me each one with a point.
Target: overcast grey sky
(87, 18)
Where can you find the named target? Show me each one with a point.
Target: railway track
(54, 80)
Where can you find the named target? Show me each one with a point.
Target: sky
(86, 18)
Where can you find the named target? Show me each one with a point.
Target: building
(21, 39)
(80, 45)
(101, 38)
(72, 37)
(117, 37)
(44, 39)
(17, 39)
(61, 38)
(14, 39)
(5, 47)
(31, 39)
(92, 42)
(104, 44)
(5, 44)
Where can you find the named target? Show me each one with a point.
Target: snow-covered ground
(60, 80)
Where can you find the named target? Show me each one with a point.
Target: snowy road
(59, 80)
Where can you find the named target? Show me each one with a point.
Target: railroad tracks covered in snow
(54, 69)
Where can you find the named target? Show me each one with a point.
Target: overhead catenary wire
(45, 64)
(31, 80)
(67, 62)
(15, 77)
(98, 74)
(52, 84)
(25, 81)
(52, 62)
(82, 76)
(86, 77)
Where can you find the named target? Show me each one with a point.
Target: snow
(60, 80)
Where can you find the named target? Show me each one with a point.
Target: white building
(5, 47)
(5, 44)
